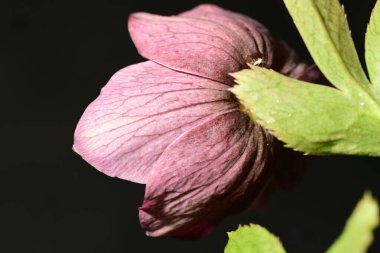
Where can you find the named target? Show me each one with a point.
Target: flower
(172, 123)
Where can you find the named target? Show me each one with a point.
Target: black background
(56, 55)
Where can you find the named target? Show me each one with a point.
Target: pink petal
(286, 167)
(141, 110)
(288, 63)
(275, 54)
(204, 45)
(247, 28)
(213, 171)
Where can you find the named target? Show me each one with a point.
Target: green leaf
(372, 45)
(324, 29)
(253, 239)
(311, 118)
(358, 232)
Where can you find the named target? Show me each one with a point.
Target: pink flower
(171, 122)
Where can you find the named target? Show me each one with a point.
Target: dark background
(56, 55)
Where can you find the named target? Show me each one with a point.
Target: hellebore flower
(172, 123)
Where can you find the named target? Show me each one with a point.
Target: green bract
(358, 232)
(313, 118)
(372, 45)
(253, 239)
(355, 238)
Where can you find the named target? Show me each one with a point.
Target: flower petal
(253, 33)
(287, 168)
(282, 58)
(203, 45)
(288, 63)
(213, 171)
(141, 110)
